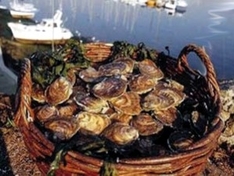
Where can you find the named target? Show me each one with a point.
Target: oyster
(38, 94)
(164, 98)
(120, 117)
(146, 124)
(71, 76)
(141, 83)
(180, 140)
(63, 128)
(67, 109)
(59, 91)
(127, 103)
(110, 87)
(45, 112)
(92, 104)
(148, 67)
(89, 74)
(120, 133)
(118, 67)
(155, 101)
(92, 123)
(167, 116)
(174, 84)
(128, 62)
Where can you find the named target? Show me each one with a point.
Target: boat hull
(19, 14)
(45, 42)
(37, 35)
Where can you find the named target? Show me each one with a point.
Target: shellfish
(44, 113)
(141, 83)
(63, 128)
(109, 88)
(127, 103)
(146, 124)
(120, 133)
(59, 91)
(92, 123)
(148, 67)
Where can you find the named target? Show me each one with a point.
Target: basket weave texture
(191, 161)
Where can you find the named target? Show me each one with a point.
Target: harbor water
(206, 23)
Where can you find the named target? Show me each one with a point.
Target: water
(207, 23)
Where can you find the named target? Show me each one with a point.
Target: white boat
(48, 31)
(19, 9)
(181, 5)
(171, 4)
(176, 4)
(135, 2)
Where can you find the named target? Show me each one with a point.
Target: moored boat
(48, 31)
(19, 9)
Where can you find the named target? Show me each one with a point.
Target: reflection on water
(207, 23)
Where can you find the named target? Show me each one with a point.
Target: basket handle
(24, 113)
(210, 75)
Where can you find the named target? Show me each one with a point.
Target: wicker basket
(191, 161)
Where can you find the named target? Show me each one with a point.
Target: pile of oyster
(122, 104)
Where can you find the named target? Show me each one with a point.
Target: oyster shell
(174, 84)
(148, 67)
(59, 91)
(67, 109)
(109, 88)
(128, 62)
(71, 76)
(45, 112)
(38, 94)
(120, 133)
(180, 140)
(92, 104)
(146, 124)
(63, 128)
(92, 123)
(120, 66)
(141, 83)
(155, 101)
(163, 98)
(167, 116)
(120, 117)
(90, 74)
(127, 103)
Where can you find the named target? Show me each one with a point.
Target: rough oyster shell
(167, 116)
(109, 88)
(59, 91)
(67, 109)
(92, 104)
(127, 103)
(45, 112)
(141, 83)
(120, 117)
(38, 94)
(118, 67)
(148, 67)
(155, 101)
(63, 128)
(163, 98)
(180, 140)
(128, 62)
(120, 133)
(146, 124)
(90, 74)
(92, 123)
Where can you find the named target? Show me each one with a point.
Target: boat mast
(53, 27)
